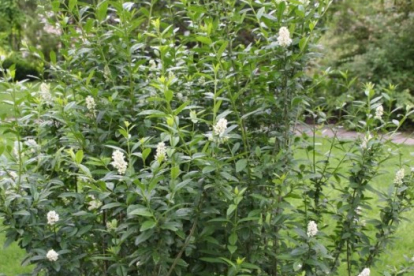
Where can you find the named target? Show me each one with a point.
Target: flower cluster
(399, 176)
(312, 229)
(379, 111)
(284, 39)
(94, 204)
(304, 2)
(153, 65)
(365, 140)
(17, 150)
(90, 104)
(32, 144)
(220, 127)
(52, 255)
(202, 81)
(119, 161)
(52, 217)
(45, 93)
(161, 152)
(365, 272)
(13, 174)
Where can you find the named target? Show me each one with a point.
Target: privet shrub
(165, 147)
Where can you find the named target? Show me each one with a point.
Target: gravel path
(329, 131)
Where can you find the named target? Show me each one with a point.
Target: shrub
(167, 148)
(24, 69)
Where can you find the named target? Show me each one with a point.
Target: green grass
(10, 259)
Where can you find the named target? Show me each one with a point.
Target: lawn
(10, 259)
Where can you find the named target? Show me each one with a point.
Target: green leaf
(212, 260)
(231, 209)
(168, 95)
(208, 169)
(312, 25)
(297, 265)
(233, 238)
(143, 237)
(21, 213)
(281, 10)
(83, 230)
(72, 4)
(111, 205)
(79, 156)
(145, 153)
(153, 113)
(222, 48)
(149, 224)
(143, 212)
(260, 13)
(175, 172)
(204, 40)
(88, 25)
(55, 5)
(173, 226)
(102, 10)
(232, 248)
(302, 43)
(241, 164)
(52, 56)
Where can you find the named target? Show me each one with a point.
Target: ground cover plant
(167, 148)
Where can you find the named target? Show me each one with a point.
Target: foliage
(11, 19)
(24, 68)
(373, 40)
(335, 93)
(25, 24)
(198, 121)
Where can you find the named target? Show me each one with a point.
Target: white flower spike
(220, 127)
(284, 39)
(90, 104)
(312, 229)
(379, 111)
(399, 176)
(119, 162)
(161, 153)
